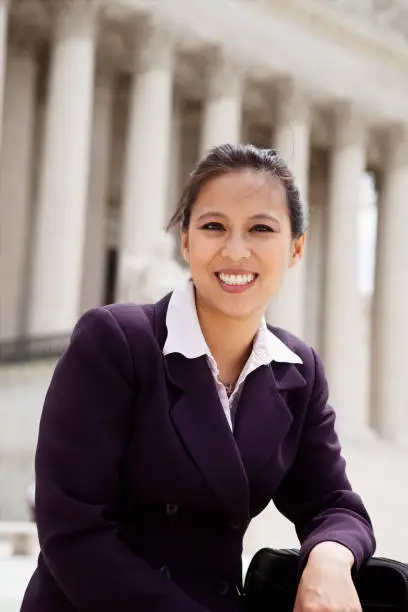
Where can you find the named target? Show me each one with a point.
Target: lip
(235, 288)
(235, 271)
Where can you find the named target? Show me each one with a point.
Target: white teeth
(236, 279)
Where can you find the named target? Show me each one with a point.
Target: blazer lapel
(199, 419)
(263, 417)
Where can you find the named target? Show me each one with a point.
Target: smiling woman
(243, 225)
(167, 427)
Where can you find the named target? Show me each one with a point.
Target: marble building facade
(106, 106)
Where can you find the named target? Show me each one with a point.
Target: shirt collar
(184, 333)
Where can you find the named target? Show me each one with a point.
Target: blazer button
(223, 588)
(165, 571)
(171, 509)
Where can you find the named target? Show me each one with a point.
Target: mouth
(236, 282)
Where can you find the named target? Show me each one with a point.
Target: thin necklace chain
(229, 388)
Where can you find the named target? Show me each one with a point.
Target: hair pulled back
(228, 158)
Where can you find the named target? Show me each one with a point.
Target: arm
(83, 436)
(316, 494)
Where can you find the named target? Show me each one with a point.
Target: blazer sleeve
(316, 494)
(83, 435)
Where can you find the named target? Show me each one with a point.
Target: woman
(166, 428)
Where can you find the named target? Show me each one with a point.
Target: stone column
(343, 332)
(292, 140)
(175, 167)
(58, 257)
(389, 398)
(223, 104)
(93, 278)
(4, 18)
(316, 250)
(16, 166)
(146, 184)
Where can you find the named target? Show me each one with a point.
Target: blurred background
(105, 107)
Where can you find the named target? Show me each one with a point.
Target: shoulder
(141, 322)
(118, 336)
(113, 319)
(128, 322)
(97, 331)
(129, 317)
(111, 327)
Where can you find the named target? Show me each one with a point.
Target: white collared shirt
(184, 336)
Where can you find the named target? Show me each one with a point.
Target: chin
(238, 311)
(239, 306)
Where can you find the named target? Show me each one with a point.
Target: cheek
(276, 254)
(201, 251)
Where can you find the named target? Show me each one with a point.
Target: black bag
(272, 579)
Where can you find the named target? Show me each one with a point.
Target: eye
(213, 226)
(260, 227)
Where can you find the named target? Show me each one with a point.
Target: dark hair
(227, 158)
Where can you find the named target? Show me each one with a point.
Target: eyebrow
(220, 215)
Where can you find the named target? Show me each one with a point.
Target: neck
(229, 339)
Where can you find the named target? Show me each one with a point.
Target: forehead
(245, 192)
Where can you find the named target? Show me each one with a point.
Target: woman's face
(239, 243)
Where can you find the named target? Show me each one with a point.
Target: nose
(235, 249)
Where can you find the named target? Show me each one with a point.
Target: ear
(184, 246)
(297, 249)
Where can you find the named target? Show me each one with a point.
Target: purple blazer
(144, 493)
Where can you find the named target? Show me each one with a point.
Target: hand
(326, 584)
